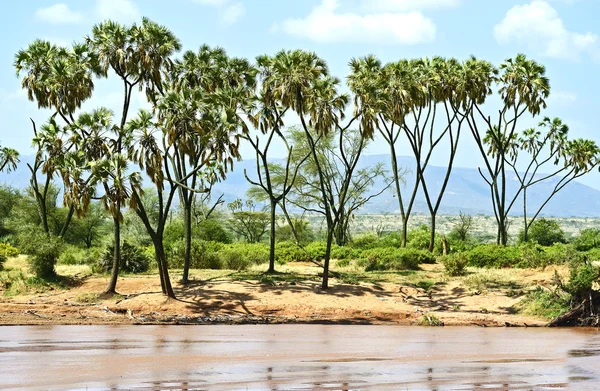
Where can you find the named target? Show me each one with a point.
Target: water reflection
(297, 357)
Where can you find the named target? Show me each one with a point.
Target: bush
(212, 230)
(2, 261)
(546, 232)
(8, 251)
(204, 255)
(583, 277)
(419, 238)
(316, 250)
(290, 252)
(454, 264)
(493, 256)
(388, 258)
(365, 242)
(133, 259)
(44, 256)
(588, 239)
(543, 303)
(72, 255)
(253, 253)
(344, 253)
(234, 259)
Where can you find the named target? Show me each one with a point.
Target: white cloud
(233, 13)
(325, 24)
(118, 10)
(537, 25)
(408, 5)
(562, 98)
(58, 14)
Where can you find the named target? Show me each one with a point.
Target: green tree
(249, 224)
(8, 159)
(546, 232)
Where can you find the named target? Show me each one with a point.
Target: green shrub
(44, 256)
(212, 230)
(546, 232)
(72, 255)
(419, 238)
(8, 251)
(344, 252)
(388, 258)
(583, 277)
(365, 242)
(316, 250)
(2, 261)
(393, 239)
(133, 259)
(290, 252)
(253, 253)
(493, 256)
(234, 259)
(454, 264)
(543, 303)
(588, 239)
(204, 255)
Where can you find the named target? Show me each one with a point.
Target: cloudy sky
(562, 34)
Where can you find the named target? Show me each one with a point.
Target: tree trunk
(325, 284)
(187, 223)
(65, 227)
(112, 283)
(432, 237)
(525, 226)
(404, 232)
(163, 265)
(272, 239)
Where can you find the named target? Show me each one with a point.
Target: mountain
(466, 190)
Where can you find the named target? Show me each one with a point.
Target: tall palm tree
(8, 159)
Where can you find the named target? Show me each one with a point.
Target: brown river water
(297, 357)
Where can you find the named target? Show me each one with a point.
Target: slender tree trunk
(163, 265)
(325, 284)
(272, 239)
(187, 222)
(112, 283)
(65, 227)
(432, 237)
(399, 194)
(525, 226)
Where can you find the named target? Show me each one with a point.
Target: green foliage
(303, 230)
(8, 251)
(546, 232)
(493, 256)
(419, 238)
(316, 250)
(365, 242)
(204, 255)
(544, 303)
(72, 255)
(584, 277)
(212, 230)
(588, 239)
(253, 253)
(290, 252)
(133, 259)
(379, 259)
(2, 261)
(455, 264)
(344, 252)
(234, 259)
(44, 253)
(430, 320)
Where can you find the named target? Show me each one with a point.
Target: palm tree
(8, 159)
(139, 56)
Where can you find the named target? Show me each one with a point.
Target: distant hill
(466, 191)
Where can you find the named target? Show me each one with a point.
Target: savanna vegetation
(127, 192)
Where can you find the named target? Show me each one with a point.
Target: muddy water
(297, 357)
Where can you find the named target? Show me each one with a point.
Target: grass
(544, 303)
(491, 279)
(430, 320)
(87, 298)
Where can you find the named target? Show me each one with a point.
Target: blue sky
(562, 34)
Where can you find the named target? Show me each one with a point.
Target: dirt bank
(482, 298)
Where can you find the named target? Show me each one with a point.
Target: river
(297, 357)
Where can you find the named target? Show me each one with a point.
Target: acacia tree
(523, 88)
(300, 82)
(548, 152)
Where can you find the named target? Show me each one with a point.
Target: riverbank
(487, 298)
